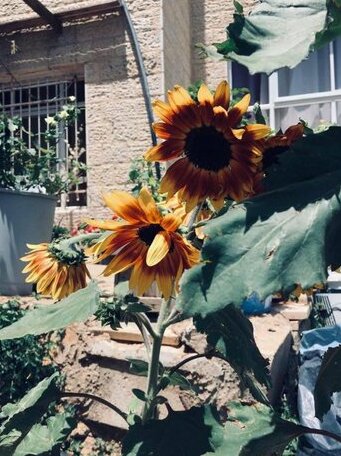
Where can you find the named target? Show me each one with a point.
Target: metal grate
(33, 104)
(323, 303)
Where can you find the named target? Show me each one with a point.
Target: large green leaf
(48, 317)
(280, 34)
(45, 440)
(251, 430)
(19, 418)
(185, 433)
(231, 333)
(328, 381)
(270, 243)
(254, 430)
(308, 158)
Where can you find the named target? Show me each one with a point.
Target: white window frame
(277, 102)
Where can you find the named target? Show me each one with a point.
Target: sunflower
(204, 214)
(52, 272)
(215, 157)
(145, 241)
(279, 143)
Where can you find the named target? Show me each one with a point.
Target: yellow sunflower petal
(256, 131)
(205, 95)
(42, 246)
(180, 96)
(141, 277)
(167, 131)
(164, 282)
(125, 206)
(166, 114)
(236, 113)
(205, 98)
(110, 225)
(125, 258)
(171, 222)
(168, 150)
(220, 118)
(158, 248)
(222, 95)
(147, 204)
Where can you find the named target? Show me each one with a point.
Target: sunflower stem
(145, 335)
(193, 218)
(174, 317)
(153, 370)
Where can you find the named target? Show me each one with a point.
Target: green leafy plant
(23, 362)
(142, 174)
(37, 168)
(248, 40)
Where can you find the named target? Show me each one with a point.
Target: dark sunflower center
(148, 233)
(207, 148)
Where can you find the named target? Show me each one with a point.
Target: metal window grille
(276, 102)
(33, 104)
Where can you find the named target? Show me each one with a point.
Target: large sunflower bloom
(215, 158)
(53, 277)
(145, 241)
(279, 143)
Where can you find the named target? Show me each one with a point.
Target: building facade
(93, 59)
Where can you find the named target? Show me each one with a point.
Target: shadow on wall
(44, 54)
(198, 12)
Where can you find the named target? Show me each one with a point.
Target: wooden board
(294, 310)
(130, 333)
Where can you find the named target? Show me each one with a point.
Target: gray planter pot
(25, 217)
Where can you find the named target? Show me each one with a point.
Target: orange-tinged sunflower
(53, 275)
(216, 158)
(145, 241)
(177, 207)
(279, 143)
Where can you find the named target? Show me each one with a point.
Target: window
(311, 91)
(33, 104)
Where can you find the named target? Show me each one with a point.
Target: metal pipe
(143, 78)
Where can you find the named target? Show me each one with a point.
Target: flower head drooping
(55, 274)
(215, 157)
(145, 241)
(279, 143)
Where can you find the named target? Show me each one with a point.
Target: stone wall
(100, 51)
(177, 46)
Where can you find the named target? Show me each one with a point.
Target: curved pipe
(143, 78)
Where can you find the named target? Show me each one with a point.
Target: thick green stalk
(153, 375)
(153, 371)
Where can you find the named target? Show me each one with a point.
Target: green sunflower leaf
(231, 333)
(328, 381)
(245, 252)
(251, 430)
(254, 430)
(186, 433)
(48, 317)
(308, 158)
(18, 419)
(256, 40)
(45, 440)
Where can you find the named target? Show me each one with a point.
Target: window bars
(34, 103)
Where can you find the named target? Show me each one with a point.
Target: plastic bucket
(25, 217)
